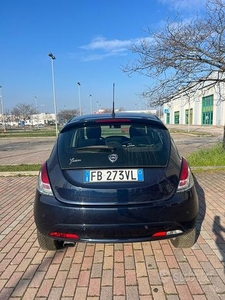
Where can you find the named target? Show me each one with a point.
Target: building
(202, 106)
(34, 120)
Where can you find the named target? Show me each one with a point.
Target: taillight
(44, 186)
(186, 179)
(63, 235)
(167, 233)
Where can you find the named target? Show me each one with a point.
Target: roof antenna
(113, 109)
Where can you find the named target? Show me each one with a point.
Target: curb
(19, 173)
(203, 168)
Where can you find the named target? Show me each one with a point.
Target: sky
(90, 40)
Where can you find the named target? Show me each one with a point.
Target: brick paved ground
(111, 271)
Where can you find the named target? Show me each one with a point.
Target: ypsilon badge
(113, 157)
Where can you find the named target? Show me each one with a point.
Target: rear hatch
(114, 162)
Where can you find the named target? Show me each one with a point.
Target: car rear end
(115, 179)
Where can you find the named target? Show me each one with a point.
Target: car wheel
(186, 240)
(49, 244)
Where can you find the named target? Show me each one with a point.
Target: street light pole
(78, 85)
(90, 104)
(53, 88)
(2, 109)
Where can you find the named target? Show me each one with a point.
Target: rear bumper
(116, 224)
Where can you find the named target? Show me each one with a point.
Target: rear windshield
(114, 145)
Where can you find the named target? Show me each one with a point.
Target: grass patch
(28, 134)
(214, 156)
(19, 168)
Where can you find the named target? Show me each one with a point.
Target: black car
(115, 178)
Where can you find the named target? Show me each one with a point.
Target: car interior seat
(138, 136)
(93, 135)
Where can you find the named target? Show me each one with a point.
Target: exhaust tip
(69, 244)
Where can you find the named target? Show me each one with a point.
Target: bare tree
(183, 55)
(66, 114)
(23, 111)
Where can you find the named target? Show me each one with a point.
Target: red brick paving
(138, 271)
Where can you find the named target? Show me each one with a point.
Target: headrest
(136, 131)
(93, 132)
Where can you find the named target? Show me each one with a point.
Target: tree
(66, 114)
(183, 55)
(23, 111)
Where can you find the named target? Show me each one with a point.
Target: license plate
(113, 175)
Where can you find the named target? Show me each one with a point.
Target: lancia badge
(113, 157)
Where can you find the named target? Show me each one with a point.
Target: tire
(186, 240)
(49, 244)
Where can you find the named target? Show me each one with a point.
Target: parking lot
(129, 271)
(111, 271)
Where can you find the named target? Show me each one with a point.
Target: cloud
(100, 48)
(100, 43)
(184, 4)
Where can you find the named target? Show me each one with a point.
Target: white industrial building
(202, 106)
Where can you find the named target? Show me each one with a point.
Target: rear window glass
(114, 145)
